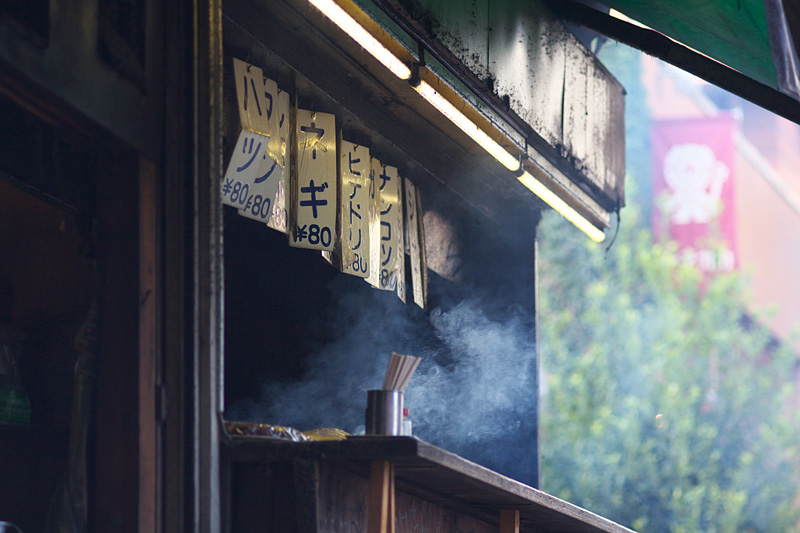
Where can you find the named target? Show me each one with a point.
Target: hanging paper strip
(255, 103)
(414, 245)
(402, 250)
(314, 194)
(251, 179)
(423, 254)
(374, 224)
(279, 219)
(265, 184)
(271, 93)
(354, 209)
(247, 162)
(391, 212)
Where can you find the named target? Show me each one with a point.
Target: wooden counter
(442, 480)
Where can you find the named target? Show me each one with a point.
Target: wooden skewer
(396, 380)
(400, 370)
(391, 372)
(412, 367)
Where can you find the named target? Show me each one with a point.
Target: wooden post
(380, 507)
(392, 513)
(509, 521)
(149, 375)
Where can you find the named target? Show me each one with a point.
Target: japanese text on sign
(283, 172)
(354, 209)
(316, 181)
(255, 102)
(391, 212)
(248, 161)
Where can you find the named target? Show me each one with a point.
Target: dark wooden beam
(207, 274)
(664, 48)
(149, 354)
(176, 228)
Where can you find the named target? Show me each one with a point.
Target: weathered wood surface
(342, 509)
(509, 521)
(570, 108)
(380, 509)
(437, 477)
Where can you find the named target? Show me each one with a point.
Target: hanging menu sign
(402, 250)
(374, 224)
(423, 254)
(247, 161)
(354, 209)
(265, 185)
(391, 212)
(314, 195)
(285, 171)
(271, 94)
(279, 219)
(255, 102)
(247, 184)
(412, 217)
(263, 188)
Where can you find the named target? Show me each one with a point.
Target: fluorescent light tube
(539, 189)
(467, 126)
(352, 28)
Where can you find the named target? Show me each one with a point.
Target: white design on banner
(695, 177)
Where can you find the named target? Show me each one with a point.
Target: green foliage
(662, 409)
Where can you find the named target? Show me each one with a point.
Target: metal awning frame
(658, 45)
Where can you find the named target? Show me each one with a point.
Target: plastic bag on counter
(15, 406)
(264, 430)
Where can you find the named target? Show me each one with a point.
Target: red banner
(693, 189)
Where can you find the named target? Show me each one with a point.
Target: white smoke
(476, 383)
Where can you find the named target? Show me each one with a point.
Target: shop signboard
(693, 189)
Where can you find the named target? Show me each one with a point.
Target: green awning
(750, 36)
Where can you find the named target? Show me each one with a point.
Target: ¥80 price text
(238, 195)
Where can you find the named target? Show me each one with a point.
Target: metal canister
(384, 412)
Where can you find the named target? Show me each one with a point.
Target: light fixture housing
(554, 201)
(467, 126)
(400, 69)
(376, 49)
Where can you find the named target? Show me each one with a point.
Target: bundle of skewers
(401, 368)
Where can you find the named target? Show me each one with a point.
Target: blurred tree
(662, 407)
